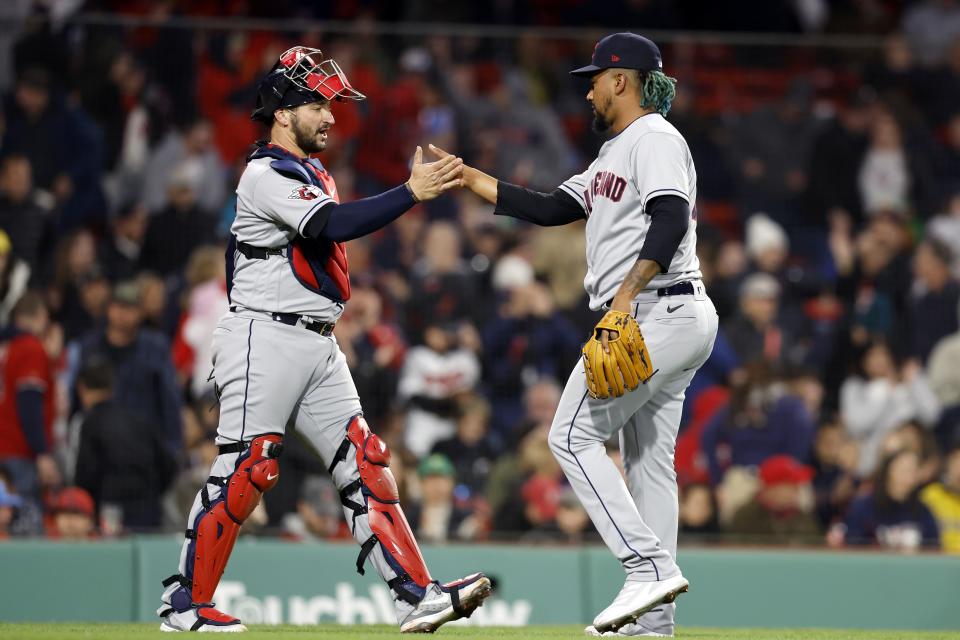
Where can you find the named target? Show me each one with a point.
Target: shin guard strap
(340, 456)
(396, 584)
(183, 580)
(365, 550)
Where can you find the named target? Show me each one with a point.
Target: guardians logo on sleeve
(305, 192)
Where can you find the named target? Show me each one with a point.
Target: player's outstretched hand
(427, 181)
(477, 181)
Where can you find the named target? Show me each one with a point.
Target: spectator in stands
(892, 515)
(943, 500)
(78, 280)
(48, 130)
(123, 460)
(523, 492)
(559, 257)
(119, 251)
(192, 152)
(896, 76)
(835, 160)
(205, 303)
(944, 377)
(771, 180)
(945, 226)
(144, 373)
(939, 90)
(836, 458)
(932, 26)
(25, 216)
(176, 231)
(471, 450)
(783, 509)
(74, 515)
(36, 128)
(768, 248)
(891, 179)
(698, 512)
(540, 401)
(27, 402)
(14, 278)
(527, 340)
(9, 503)
(933, 305)
(760, 421)
(442, 285)
(375, 349)
(437, 517)
(754, 333)
(433, 376)
(881, 397)
(873, 279)
(570, 523)
(319, 514)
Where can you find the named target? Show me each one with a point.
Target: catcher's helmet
(301, 76)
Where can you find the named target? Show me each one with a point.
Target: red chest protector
(319, 265)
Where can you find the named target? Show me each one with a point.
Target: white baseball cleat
(443, 603)
(203, 619)
(635, 599)
(631, 629)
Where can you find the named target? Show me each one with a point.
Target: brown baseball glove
(628, 363)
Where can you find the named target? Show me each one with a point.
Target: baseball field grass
(73, 631)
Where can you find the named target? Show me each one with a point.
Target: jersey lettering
(608, 185)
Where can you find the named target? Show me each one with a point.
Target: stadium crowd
(829, 226)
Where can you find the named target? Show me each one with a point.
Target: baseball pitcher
(276, 361)
(638, 198)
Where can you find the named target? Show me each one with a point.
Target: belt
(684, 288)
(296, 320)
(258, 253)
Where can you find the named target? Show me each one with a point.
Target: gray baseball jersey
(647, 159)
(271, 210)
(637, 518)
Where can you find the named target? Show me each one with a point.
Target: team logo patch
(305, 192)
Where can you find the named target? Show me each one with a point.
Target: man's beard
(601, 123)
(307, 140)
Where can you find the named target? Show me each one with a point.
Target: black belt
(296, 320)
(258, 253)
(684, 288)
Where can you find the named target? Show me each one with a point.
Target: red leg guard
(218, 525)
(383, 501)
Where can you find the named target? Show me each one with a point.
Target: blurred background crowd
(829, 239)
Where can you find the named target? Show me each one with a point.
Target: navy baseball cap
(623, 51)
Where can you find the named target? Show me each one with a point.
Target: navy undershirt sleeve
(30, 413)
(343, 222)
(543, 209)
(670, 216)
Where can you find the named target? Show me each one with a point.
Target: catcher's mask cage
(301, 76)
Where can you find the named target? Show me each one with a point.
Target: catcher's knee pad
(217, 525)
(381, 505)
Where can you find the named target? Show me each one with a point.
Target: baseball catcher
(276, 362)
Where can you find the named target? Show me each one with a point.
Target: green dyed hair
(657, 91)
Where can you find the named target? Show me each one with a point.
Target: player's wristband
(410, 191)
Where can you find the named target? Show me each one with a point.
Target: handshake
(429, 180)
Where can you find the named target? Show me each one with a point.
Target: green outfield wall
(277, 582)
